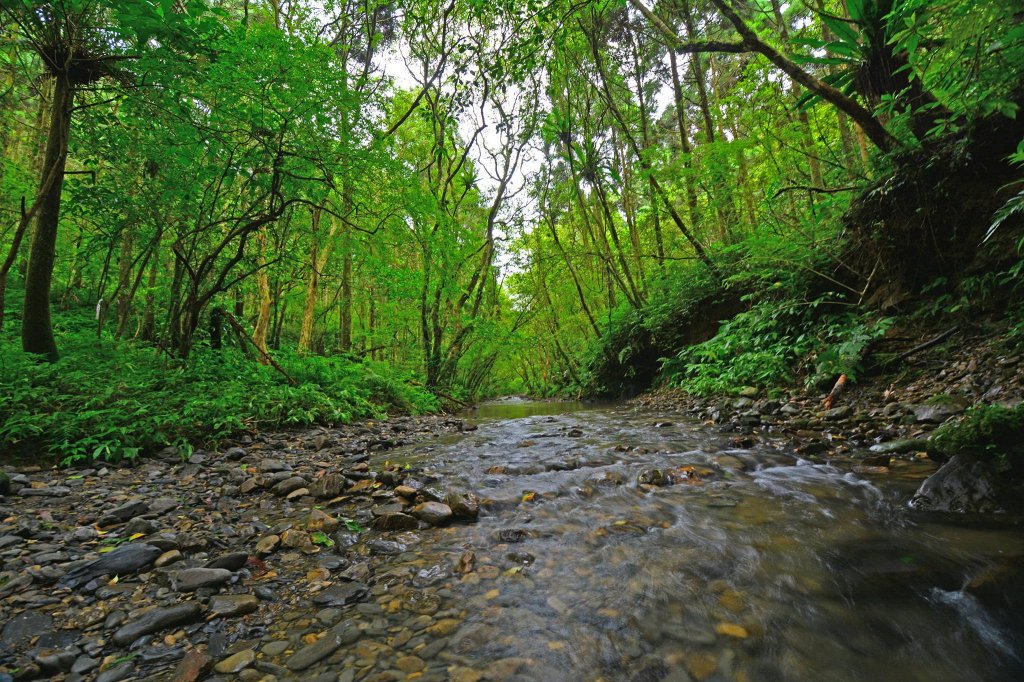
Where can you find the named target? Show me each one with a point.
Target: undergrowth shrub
(118, 400)
(775, 342)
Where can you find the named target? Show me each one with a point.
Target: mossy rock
(5, 483)
(987, 432)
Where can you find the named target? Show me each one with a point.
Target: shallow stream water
(755, 565)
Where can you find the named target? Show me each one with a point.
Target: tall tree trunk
(345, 331)
(684, 141)
(124, 275)
(805, 120)
(312, 284)
(37, 328)
(148, 332)
(317, 262)
(259, 335)
(699, 74)
(12, 255)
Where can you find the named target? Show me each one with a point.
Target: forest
(512, 340)
(223, 216)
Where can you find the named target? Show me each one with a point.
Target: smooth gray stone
(317, 651)
(122, 561)
(191, 579)
(159, 619)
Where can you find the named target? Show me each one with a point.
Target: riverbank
(879, 422)
(112, 572)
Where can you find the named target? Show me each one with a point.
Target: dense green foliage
(478, 198)
(110, 400)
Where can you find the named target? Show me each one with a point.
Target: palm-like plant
(869, 53)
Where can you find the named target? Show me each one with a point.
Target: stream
(752, 565)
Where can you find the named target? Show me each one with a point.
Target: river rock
(168, 558)
(84, 534)
(963, 484)
(232, 562)
(652, 477)
(139, 526)
(328, 486)
(48, 491)
(322, 521)
(341, 595)
(511, 535)
(837, 413)
(289, 485)
(395, 521)
(315, 652)
(940, 410)
(900, 447)
(84, 664)
(464, 506)
(58, 661)
(192, 579)
(410, 664)
(25, 626)
(193, 666)
(385, 547)
(117, 673)
(124, 560)
(250, 484)
(236, 662)
(232, 605)
(269, 466)
(159, 619)
(123, 512)
(434, 513)
(268, 544)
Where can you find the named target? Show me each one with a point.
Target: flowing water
(754, 565)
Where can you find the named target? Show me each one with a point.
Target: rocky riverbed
(733, 540)
(881, 424)
(271, 559)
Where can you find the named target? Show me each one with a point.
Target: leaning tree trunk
(37, 328)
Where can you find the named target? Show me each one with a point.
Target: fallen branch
(245, 335)
(812, 188)
(925, 346)
(368, 351)
(837, 390)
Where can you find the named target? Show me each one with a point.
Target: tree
(751, 42)
(79, 42)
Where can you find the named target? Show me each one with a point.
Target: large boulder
(966, 483)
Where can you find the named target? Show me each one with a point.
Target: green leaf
(843, 30)
(320, 538)
(353, 526)
(856, 9)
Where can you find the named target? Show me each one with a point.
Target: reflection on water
(515, 408)
(754, 566)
